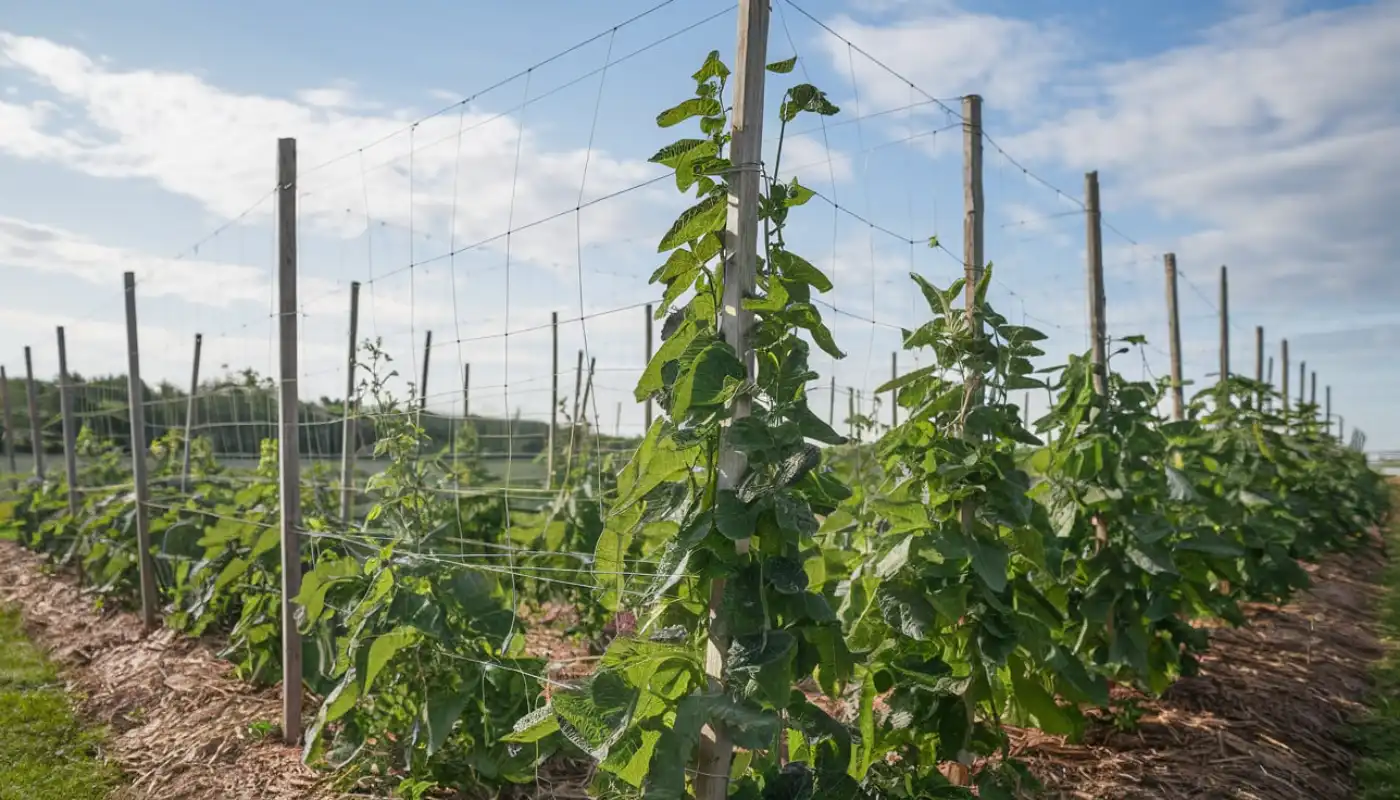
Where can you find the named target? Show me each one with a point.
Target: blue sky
(1256, 134)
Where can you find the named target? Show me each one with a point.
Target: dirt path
(1265, 719)
(179, 721)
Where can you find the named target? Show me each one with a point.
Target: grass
(45, 754)
(1377, 734)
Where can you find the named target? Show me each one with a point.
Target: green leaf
(1180, 486)
(671, 154)
(1212, 544)
(444, 706)
(764, 661)
(383, 648)
(712, 68)
(795, 268)
(989, 561)
(1152, 559)
(708, 380)
(733, 517)
(533, 726)
(702, 218)
(694, 107)
(907, 610)
(783, 67)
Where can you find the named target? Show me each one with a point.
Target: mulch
(1264, 720)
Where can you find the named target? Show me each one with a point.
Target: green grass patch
(45, 754)
(1377, 735)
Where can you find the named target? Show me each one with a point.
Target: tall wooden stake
(423, 387)
(189, 415)
(1259, 362)
(1327, 424)
(894, 393)
(70, 430)
(1302, 382)
(553, 403)
(735, 322)
(289, 461)
(1224, 325)
(36, 429)
(587, 391)
(9, 420)
(647, 410)
(1174, 337)
(1283, 370)
(1312, 391)
(350, 433)
(1094, 249)
(137, 409)
(831, 410)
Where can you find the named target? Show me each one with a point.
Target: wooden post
(36, 429)
(647, 412)
(1174, 337)
(9, 420)
(1224, 326)
(1094, 249)
(70, 431)
(350, 433)
(1283, 364)
(587, 391)
(423, 387)
(831, 411)
(1312, 391)
(1341, 428)
(1302, 382)
(137, 409)
(1328, 419)
(617, 421)
(974, 212)
(466, 392)
(735, 323)
(1259, 363)
(289, 461)
(894, 393)
(851, 411)
(189, 415)
(553, 404)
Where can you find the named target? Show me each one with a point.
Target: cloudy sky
(477, 168)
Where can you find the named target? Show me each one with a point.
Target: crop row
(859, 619)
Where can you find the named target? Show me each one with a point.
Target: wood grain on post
(137, 410)
(189, 415)
(735, 324)
(1224, 325)
(423, 387)
(70, 430)
(9, 420)
(350, 434)
(289, 460)
(647, 410)
(1328, 421)
(1093, 217)
(36, 428)
(894, 393)
(1174, 337)
(551, 443)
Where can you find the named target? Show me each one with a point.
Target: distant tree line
(235, 413)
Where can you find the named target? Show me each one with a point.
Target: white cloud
(454, 171)
(947, 52)
(1274, 138)
(813, 162)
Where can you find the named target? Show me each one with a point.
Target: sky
(479, 167)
